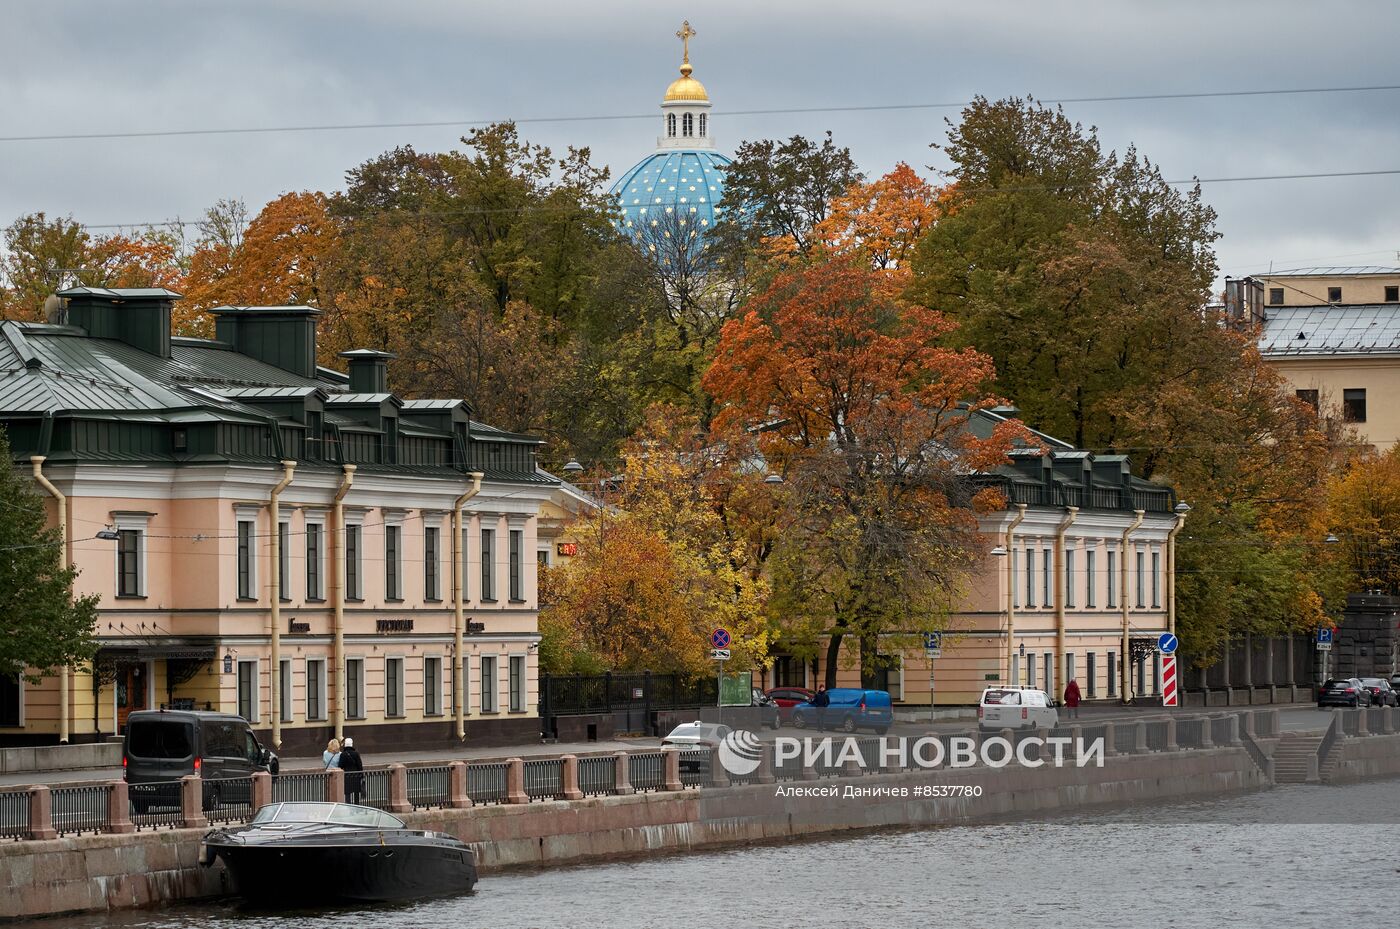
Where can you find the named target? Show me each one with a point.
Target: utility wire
(771, 111)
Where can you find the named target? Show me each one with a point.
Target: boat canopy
(335, 814)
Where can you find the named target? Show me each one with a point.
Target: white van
(1016, 708)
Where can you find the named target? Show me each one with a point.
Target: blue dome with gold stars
(686, 183)
(681, 183)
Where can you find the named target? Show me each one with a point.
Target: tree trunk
(833, 654)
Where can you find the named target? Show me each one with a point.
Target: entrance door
(131, 693)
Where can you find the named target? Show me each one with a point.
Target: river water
(1292, 856)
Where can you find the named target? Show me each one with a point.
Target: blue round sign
(1166, 643)
(719, 638)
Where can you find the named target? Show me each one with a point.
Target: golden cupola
(685, 110)
(686, 88)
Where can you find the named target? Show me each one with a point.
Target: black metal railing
(597, 774)
(374, 787)
(1125, 738)
(1190, 730)
(429, 786)
(1156, 735)
(647, 770)
(14, 814)
(486, 781)
(605, 693)
(81, 809)
(156, 805)
(1222, 729)
(544, 778)
(228, 799)
(302, 788)
(695, 767)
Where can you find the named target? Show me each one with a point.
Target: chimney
(138, 316)
(369, 370)
(282, 336)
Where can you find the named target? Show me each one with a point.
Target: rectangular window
(248, 690)
(1112, 675)
(245, 559)
(352, 562)
(1030, 669)
(1015, 669)
(1276, 296)
(517, 683)
(1156, 674)
(1069, 668)
(315, 688)
(1334, 295)
(1030, 577)
(393, 687)
(488, 564)
(1112, 578)
(1141, 677)
(488, 684)
(1015, 574)
(1047, 669)
(1091, 579)
(432, 686)
(1048, 578)
(1392, 293)
(1354, 405)
(1069, 578)
(1091, 672)
(1141, 579)
(464, 689)
(517, 580)
(284, 694)
(130, 549)
(284, 560)
(391, 563)
(1307, 396)
(355, 688)
(1156, 579)
(430, 564)
(313, 562)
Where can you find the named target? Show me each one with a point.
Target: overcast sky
(81, 67)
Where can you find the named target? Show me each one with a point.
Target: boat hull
(278, 874)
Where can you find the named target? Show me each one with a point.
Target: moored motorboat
(295, 853)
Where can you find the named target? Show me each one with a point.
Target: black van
(162, 746)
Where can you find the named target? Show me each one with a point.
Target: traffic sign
(933, 640)
(931, 653)
(1324, 635)
(1324, 646)
(1166, 643)
(1169, 692)
(719, 654)
(720, 638)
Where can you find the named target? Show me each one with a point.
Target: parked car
(690, 737)
(768, 712)
(1343, 692)
(788, 697)
(162, 746)
(1016, 708)
(1382, 694)
(850, 709)
(1395, 682)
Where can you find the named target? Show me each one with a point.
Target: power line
(771, 111)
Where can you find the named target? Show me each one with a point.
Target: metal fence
(155, 806)
(1222, 729)
(544, 778)
(486, 782)
(1125, 738)
(1189, 731)
(429, 786)
(1266, 723)
(787, 769)
(648, 770)
(1374, 717)
(14, 814)
(228, 799)
(1156, 735)
(695, 768)
(81, 809)
(597, 774)
(304, 788)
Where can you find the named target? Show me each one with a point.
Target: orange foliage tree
(865, 412)
(881, 221)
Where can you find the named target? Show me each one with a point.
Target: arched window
(702, 125)
(671, 125)
(687, 125)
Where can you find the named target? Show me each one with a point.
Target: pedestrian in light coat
(331, 755)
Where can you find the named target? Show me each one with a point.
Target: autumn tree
(864, 411)
(882, 221)
(1363, 511)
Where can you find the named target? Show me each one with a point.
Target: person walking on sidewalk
(351, 763)
(1072, 699)
(821, 700)
(331, 755)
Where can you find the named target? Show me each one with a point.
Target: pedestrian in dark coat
(821, 700)
(351, 763)
(1072, 699)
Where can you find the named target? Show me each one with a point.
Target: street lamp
(998, 552)
(773, 479)
(1331, 539)
(572, 467)
(108, 535)
(1182, 508)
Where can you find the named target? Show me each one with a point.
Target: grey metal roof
(128, 292)
(445, 404)
(273, 393)
(1331, 330)
(1334, 271)
(348, 399)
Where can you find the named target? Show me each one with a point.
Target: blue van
(850, 709)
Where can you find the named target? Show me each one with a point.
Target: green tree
(42, 626)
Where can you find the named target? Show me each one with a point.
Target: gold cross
(685, 34)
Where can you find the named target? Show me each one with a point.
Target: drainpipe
(459, 697)
(337, 556)
(1060, 587)
(1011, 590)
(1171, 573)
(65, 537)
(1123, 596)
(275, 507)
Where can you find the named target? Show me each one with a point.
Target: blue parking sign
(1324, 635)
(933, 640)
